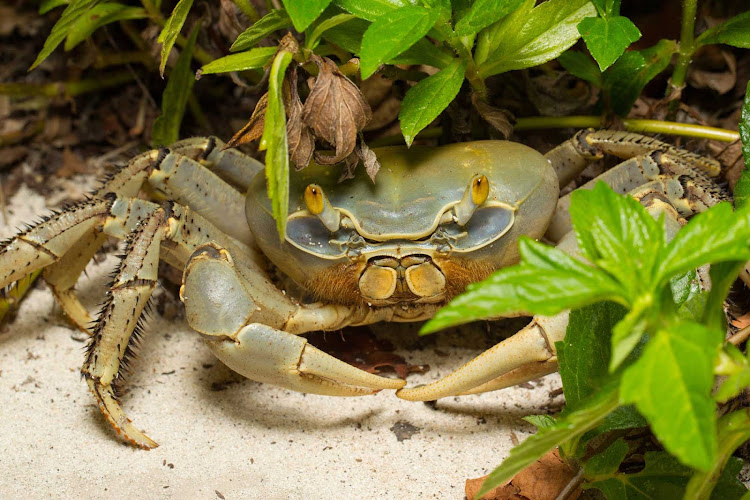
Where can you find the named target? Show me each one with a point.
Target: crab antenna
(476, 194)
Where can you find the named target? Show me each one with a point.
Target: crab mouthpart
(412, 278)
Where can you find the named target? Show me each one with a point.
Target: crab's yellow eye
(480, 189)
(314, 199)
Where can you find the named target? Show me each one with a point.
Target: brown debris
(299, 137)
(335, 110)
(542, 480)
(253, 130)
(359, 347)
(499, 119)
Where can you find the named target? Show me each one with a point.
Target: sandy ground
(223, 436)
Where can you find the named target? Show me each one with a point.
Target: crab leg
(572, 156)
(244, 321)
(113, 337)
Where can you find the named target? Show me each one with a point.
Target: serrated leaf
(540, 421)
(393, 33)
(742, 188)
(275, 143)
(48, 5)
(275, 20)
(171, 30)
(100, 15)
(567, 428)
(662, 478)
(529, 38)
(738, 374)
(607, 38)
(670, 384)
(304, 12)
(699, 242)
(616, 233)
(70, 16)
(483, 13)
(627, 334)
(734, 31)
(166, 128)
(546, 282)
(427, 99)
(583, 355)
(251, 59)
(582, 66)
(607, 462)
(626, 78)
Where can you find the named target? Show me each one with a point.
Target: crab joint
(318, 204)
(476, 194)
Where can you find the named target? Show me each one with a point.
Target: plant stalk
(685, 54)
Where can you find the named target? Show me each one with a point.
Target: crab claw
(526, 355)
(268, 355)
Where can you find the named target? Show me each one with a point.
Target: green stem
(65, 89)
(472, 72)
(631, 125)
(734, 429)
(552, 122)
(122, 58)
(687, 47)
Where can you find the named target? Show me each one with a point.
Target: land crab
(355, 252)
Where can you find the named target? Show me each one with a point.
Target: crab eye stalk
(480, 189)
(476, 194)
(318, 204)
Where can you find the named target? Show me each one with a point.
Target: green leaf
(166, 128)
(275, 143)
(607, 38)
(427, 99)
(584, 354)
(312, 41)
(567, 428)
(742, 188)
(670, 385)
(171, 30)
(274, 20)
(734, 31)
(348, 36)
(607, 462)
(582, 66)
(304, 12)
(616, 233)
(541, 421)
(699, 242)
(70, 16)
(628, 333)
(393, 33)
(723, 276)
(372, 9)
(625, 79)
(48, 5)
(529, 38)
(483, 13)
(664, 478)
(251, 59)
(546, 282)
(101, 15)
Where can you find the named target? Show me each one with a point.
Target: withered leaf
(253, 129)
(542, 480)
(299, 137)
(369, 160)
(498, 118)
(335, 110)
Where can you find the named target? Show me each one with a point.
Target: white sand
(246, 441)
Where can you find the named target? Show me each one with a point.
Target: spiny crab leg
(529, 354)
(234, 332)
